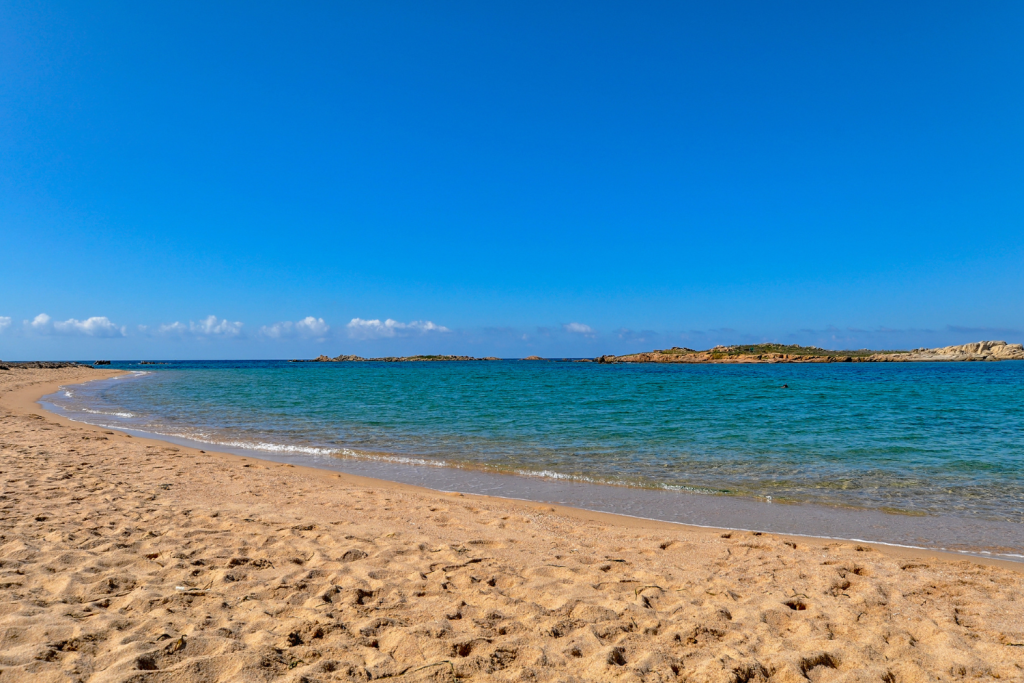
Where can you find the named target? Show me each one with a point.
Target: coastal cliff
(779, 353)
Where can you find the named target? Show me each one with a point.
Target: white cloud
(173, 328)
(579, 328)
(96, 326)
(307, 327)
(375, 329)
(211, 326)
(5, 322)
(314, 327)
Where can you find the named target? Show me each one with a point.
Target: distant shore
(751, 353)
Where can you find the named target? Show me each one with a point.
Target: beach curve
(204, 566)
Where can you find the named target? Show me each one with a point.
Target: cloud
(173, 328)
(579, 328)
(210, 326)
(5, 322)
(307, 327)
(375, 329)
(96, 326)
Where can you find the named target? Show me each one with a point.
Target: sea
(926, 455)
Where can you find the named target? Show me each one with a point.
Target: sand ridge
(126, 559)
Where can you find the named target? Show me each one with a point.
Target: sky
(279, 180)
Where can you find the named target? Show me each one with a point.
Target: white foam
(550, 474)
(403, 460)
(278, 448)
(692, 489)
(102, 412)
(325, 452)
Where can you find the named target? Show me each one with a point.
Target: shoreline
(24, 397)
(128, 558)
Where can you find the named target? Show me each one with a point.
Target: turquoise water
(930, 438)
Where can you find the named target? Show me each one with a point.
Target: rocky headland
(779, 353)
(983, 350)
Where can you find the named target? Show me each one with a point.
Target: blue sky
(215, 180)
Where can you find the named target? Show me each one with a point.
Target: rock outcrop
(753, 353)
(39, 364)
(977, 351)
(777, 353)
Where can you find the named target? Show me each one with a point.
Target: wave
(210, 439)
(103, 412)
(318, 451)
(244, 433)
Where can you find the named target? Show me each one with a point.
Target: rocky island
(794, 353)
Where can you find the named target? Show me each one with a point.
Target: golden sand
(127, 559)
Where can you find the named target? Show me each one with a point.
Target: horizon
(241, 182)
(424, 355)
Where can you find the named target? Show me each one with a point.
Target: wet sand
(129, 559)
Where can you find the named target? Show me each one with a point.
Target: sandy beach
(128, 559)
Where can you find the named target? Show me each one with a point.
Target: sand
(125, 559)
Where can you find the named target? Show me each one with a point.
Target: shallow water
(939, 443)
